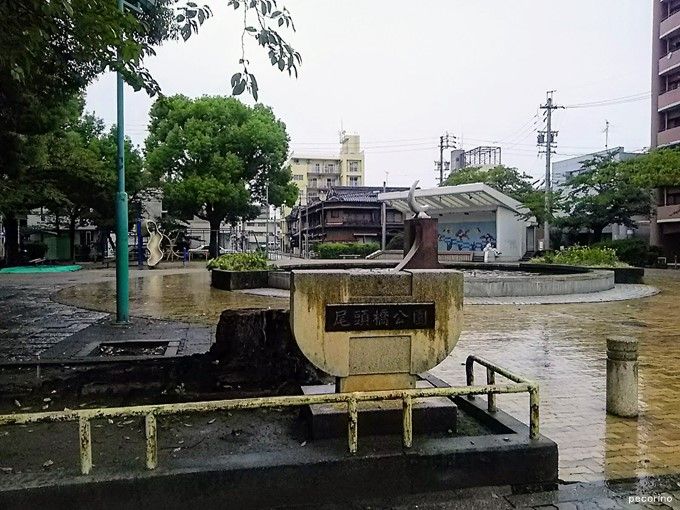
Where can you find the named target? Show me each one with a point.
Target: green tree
(215, 158)
(603, 194)
(656, 169)
(509, 181)
(50, 51)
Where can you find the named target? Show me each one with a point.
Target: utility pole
(300, 226)
(446, 141)
(547, 139)
(266, 224)
(383, 217)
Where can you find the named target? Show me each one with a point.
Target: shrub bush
(240, 262)
(631, 251)
(334, 250)
(590, 256)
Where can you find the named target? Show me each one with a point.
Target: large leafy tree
(656, 169)
(509, 181)
(605, 193)
(78, 173)
(50, 51)
(216, 157)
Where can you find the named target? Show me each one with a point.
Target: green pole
(122, 269)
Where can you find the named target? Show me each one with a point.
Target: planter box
(236, 280)
(626, 274)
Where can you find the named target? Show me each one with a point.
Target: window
(329, 183)
(353, 166)
(354, 181)
(317, 167)
(330, 168)
(335, 214)
(296, 161)
(298, 177)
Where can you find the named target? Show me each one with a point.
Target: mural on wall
(472, 236)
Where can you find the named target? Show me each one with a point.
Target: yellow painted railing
(152, 412)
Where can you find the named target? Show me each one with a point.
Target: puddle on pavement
(183, 297)
(560, 346)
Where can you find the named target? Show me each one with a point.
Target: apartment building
(316, 174)
(665, 225)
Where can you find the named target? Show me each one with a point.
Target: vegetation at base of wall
(335, 250)
(588, 256)
(240, 262)
(396, 243)
(635, 252)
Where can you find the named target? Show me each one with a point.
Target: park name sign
(376, 329)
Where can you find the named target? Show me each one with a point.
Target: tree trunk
(597, 234)
(11, 240)
(72, 236)
(214, 238)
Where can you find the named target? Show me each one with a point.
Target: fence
(152, 412)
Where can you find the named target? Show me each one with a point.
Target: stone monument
(379, 329)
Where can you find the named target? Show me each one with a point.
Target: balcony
(670, 24)
(669, 62)
(668, 214)
(668, 137)
(668, 99)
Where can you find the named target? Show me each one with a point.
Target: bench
(350, 256)
(457, 256)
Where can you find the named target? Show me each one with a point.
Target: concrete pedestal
(430, 415)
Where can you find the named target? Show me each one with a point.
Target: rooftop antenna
(606, 134)
(342, 131)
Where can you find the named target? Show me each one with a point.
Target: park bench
(350, 256)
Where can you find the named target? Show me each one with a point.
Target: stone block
(260, 342)
(430, 415)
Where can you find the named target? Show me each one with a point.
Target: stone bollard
(622, 376)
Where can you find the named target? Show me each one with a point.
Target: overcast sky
(401, 73)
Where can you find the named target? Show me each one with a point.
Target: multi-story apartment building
(665, 225)
(315, 174)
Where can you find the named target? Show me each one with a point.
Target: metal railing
(491, 370)
(151, 412)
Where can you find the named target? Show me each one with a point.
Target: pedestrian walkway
(34, 326)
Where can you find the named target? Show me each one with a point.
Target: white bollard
(622, 376)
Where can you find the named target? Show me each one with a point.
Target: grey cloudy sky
(400, 73)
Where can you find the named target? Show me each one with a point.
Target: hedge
(334, 250)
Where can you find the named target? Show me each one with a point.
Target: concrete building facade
(470, 216)
(665, 118)
(564, 170)
(316, 174)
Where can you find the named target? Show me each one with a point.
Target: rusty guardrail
(491, 370)
(152, 412)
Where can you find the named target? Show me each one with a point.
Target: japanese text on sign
(383, 316)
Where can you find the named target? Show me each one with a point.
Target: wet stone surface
(31, 323)
(35, 325)
(562, 346)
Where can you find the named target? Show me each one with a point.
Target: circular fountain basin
(485, 280)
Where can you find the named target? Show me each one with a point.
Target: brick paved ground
(33, 325)
(561, 346)
(564, 348)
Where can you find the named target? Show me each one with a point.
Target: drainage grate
(132, 348)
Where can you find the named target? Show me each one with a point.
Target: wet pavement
(562, 346)
(34, 325)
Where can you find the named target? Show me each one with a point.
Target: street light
(122, 265)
